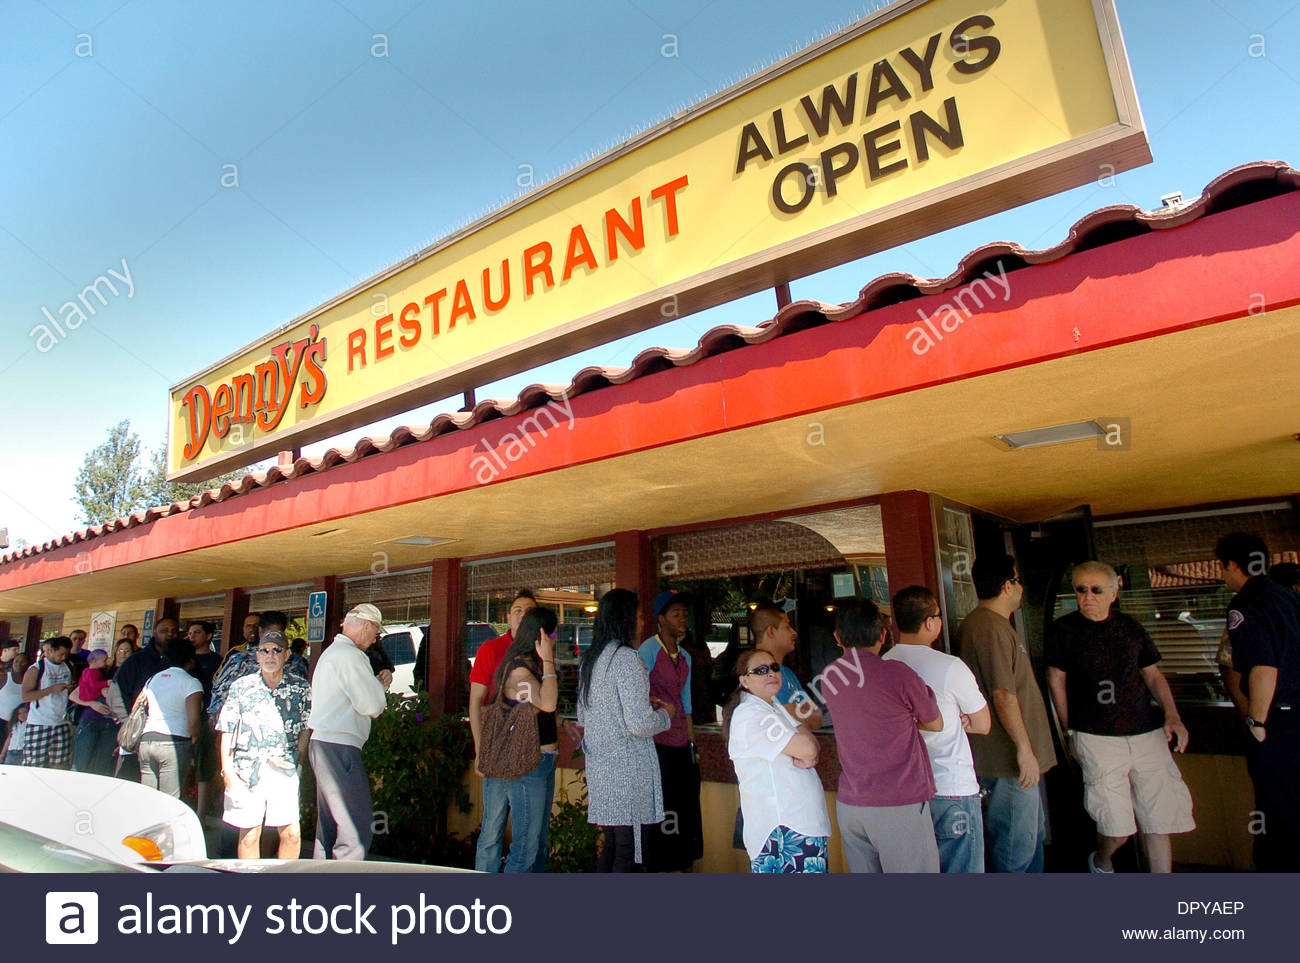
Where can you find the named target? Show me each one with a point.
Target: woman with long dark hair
(619, 720)
(526, 674)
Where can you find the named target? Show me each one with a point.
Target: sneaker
(1094, 868)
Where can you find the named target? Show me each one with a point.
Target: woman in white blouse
(787, 827)
(175, 708)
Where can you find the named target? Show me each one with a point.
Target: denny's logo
(260, 397)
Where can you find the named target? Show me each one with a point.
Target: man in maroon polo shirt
(886, 783)
(488, 659)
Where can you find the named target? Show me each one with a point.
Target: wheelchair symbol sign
(316, 617)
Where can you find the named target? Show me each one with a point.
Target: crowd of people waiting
(941, 757)
(239, 726)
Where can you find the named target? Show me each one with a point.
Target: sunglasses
(271, 650)
(770, 669)
(1085, 589)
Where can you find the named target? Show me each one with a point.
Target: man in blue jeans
(1017, 750)
(496, 806)
(955, 808)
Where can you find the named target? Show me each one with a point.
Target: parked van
(400, 643)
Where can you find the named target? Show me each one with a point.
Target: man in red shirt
(487, 660)
(482, 683)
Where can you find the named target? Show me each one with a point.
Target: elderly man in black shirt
(1103, 674)
(1264, 630)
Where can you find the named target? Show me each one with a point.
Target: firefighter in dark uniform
(1264, 629)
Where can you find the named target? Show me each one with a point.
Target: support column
(635, 569)
(233, 613)
(4, 631)
(33, 641)
(911, 551)
(443, 642)
(166, 609)
(333, 589)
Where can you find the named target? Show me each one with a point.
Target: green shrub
(574, 842)
(417, 761)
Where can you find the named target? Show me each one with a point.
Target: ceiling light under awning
(1055, 435)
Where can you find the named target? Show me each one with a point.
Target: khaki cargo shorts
(1128, 778)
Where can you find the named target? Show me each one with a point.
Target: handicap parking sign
(316, 618)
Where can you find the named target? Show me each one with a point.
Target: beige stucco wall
(1220, 787)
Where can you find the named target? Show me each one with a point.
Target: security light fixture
(1055, 435)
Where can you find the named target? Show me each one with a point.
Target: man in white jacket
(345, 696)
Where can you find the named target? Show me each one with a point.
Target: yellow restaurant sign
(927, 114)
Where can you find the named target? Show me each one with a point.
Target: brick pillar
(911, 550)
(33, 641)
(443, 640)
(634, 568)
(233, 613)
(167, 609)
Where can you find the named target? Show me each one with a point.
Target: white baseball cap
(367, 613)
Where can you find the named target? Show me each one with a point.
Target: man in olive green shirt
(1012, 758)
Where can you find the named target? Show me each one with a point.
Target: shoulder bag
(131, 731)
(508, 742)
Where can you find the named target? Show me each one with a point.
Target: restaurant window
(51, 625)
(202, 608)
(803, 564)
(570, 581)
(1171, 582)
(956, 561)
(401, 597)
(289, 599)
(403, 601)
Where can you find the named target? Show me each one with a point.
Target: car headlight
(161, 843)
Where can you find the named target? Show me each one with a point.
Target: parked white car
(52, 821)
(112, 819)
(402, 642)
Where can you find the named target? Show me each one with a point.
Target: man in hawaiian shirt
(263, 727)
(242, 660)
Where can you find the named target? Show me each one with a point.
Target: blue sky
(115, 146)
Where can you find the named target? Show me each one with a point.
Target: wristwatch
(1253, 724)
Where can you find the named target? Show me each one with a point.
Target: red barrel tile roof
(1235, 188)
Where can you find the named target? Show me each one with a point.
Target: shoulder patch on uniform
(1235, 619)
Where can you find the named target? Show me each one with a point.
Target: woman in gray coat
(619, 718)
